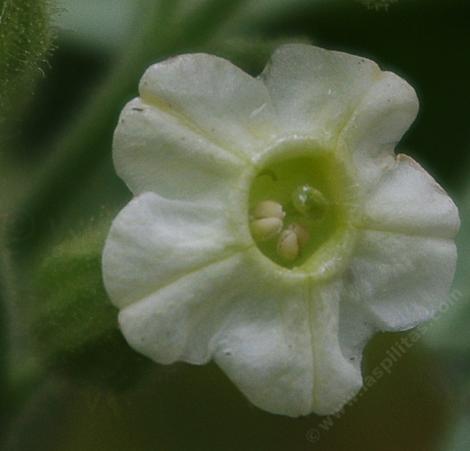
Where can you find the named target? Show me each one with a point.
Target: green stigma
(309, 201)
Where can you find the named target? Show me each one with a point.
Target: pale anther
(268, 220)
(288, 245)
(302, 233)
(268, 209)
(266, 228)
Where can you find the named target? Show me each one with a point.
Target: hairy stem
(26, 36)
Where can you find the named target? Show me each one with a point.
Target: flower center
(297, 207)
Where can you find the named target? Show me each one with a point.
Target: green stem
(26, 37)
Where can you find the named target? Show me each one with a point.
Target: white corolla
(273, 228)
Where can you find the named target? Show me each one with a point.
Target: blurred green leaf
(73, 322)
(40, 417)
(72, 306)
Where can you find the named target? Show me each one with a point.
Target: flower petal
(156, 151)
(402, 280)
(356, 326)
(155, 240)
(345, 102)
(278, 342)
(379, 121)
(257, 331)
(315, 91)
(180, 261)
(408, 200)
(178, 320)
(336, 379)
(264, 344)
(222, 102)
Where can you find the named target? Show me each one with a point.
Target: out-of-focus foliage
(74, 325)
(451, 335)
(459, 431)
(81, 22)
(377, 4)
(196, 408)
(450, 338)
(71, 309)
(26, 36)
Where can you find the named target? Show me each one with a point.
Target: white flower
(352, 239)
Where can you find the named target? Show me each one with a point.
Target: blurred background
(68, 380)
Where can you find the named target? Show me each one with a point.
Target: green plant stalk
(26, 37)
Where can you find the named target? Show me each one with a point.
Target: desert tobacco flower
(273, 228)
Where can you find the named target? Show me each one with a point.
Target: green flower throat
(298, 207)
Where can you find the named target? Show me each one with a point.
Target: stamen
(269, 209)
(265, 228)
(288, 245)
(302, 233)
(268, 220)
